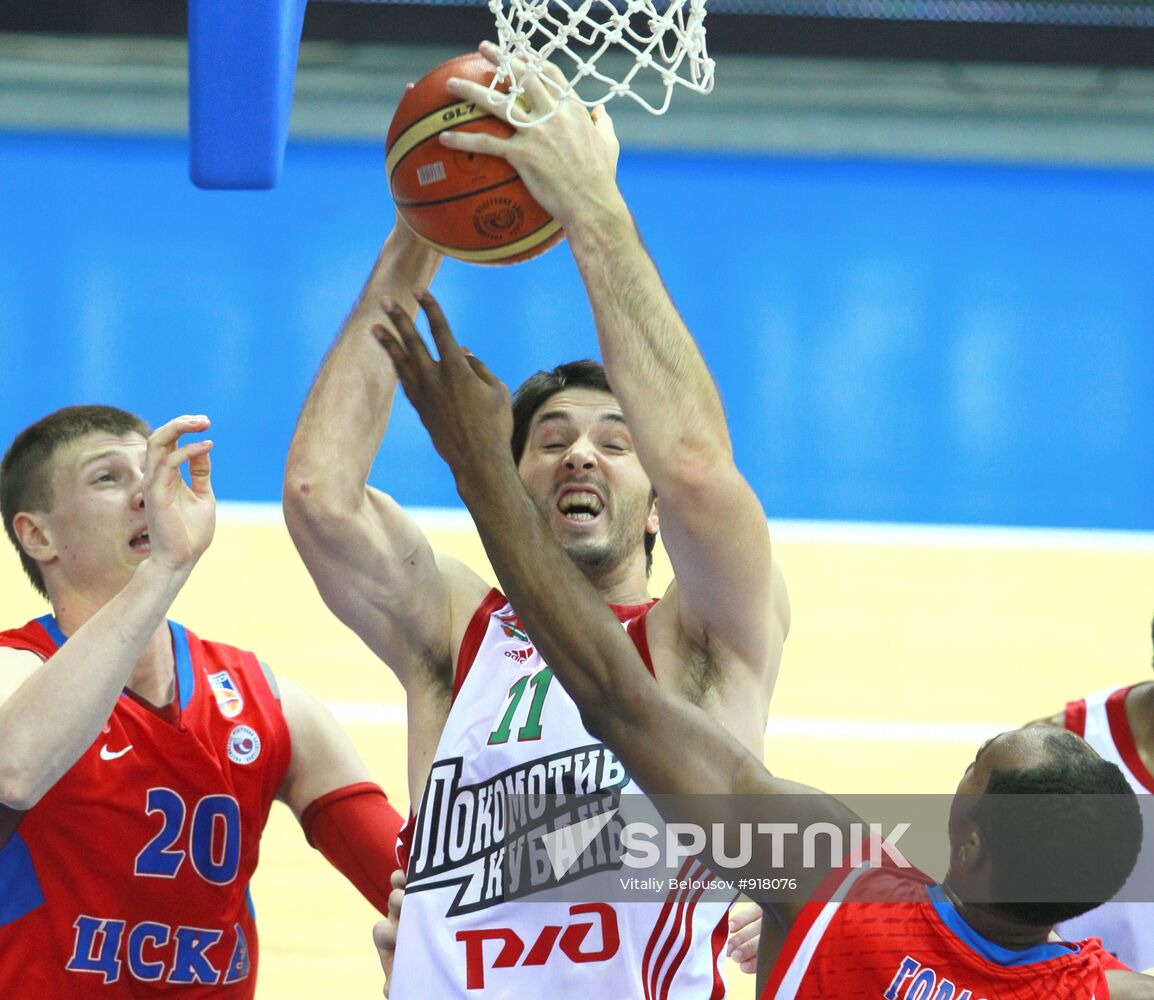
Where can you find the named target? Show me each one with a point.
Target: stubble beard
(602, 555)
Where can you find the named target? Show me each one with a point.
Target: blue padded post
(242, 61)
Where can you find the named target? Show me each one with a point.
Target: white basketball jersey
(1126, 929)
(514, 729)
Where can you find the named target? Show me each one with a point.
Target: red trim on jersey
(405, 841)
(685, 932)
(474, 633)
(658, 928)
(793, 940)
(657, 983)
(653, 990)
(803, 924)
(626, 612)
(1076, 717)
(717, 941)
(635, 625)
(633, 615)
(1123, 736)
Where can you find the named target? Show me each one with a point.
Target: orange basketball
(471, 207)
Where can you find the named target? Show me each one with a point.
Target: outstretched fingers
(181, 516)
(403, 344)
(200, 470)
(164, 456)
(163, 440)
(448, 349)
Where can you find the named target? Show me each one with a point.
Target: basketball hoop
(666, 43)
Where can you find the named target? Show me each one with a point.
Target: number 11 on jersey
(531, 729)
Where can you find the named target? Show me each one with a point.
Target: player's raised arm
(50, 713)
(713, 525)
(369, 560)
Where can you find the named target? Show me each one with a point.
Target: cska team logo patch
(228, 698)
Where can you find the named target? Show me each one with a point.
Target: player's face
(97, 524)
(580, 468)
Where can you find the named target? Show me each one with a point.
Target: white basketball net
(575, 34)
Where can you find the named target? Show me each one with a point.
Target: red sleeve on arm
(356, 829)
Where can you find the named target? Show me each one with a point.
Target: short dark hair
(541, 386)
(26, 469)
(1066, 832)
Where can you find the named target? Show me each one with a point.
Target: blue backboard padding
(242, 59)
(894, 340)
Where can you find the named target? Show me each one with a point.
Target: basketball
(471, 207)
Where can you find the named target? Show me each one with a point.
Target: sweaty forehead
(578, 405)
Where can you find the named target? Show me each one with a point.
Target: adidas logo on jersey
(520, 655)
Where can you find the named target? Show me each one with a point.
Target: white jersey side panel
(512, 724)
(1126, 929)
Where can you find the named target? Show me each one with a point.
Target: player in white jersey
(500, 742)
(593, 459)
(1119, 724)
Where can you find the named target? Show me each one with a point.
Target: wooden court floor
(908, 648)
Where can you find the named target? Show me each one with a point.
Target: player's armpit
(731, 598)
(356, 829)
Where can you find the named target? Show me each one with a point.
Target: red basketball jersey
(129, 878)
(915, 946)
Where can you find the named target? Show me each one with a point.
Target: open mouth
(140, 541)
(580, 505)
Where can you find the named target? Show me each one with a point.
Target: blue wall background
(894, 340)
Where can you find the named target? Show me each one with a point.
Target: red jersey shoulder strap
(474, 633)
(35, 636)
(1076, 717)
(1123, 736)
